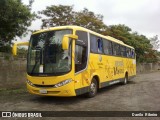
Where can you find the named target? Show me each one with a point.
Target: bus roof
(83, 29)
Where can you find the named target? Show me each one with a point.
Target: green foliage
(64, 15)
(90, 20)
(158, 53)
(155, 42)
(7, 57)
(58, 15)
(15, 17)
(6, 49)
(22, 52)
(120, 32)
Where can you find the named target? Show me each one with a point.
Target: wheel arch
(97, 79)
(126, 73)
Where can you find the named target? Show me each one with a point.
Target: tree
(90, 20)
(142, 47)
(120, 32)
(15, 18)
(64, 15)
(58, 15)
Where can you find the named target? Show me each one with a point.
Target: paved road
(140, 94)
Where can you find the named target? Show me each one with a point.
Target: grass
(12, 91)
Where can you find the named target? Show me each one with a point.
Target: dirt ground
(140, 94)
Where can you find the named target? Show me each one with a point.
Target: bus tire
(125, 81)
(92, 88)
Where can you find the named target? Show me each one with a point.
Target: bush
(6, 49)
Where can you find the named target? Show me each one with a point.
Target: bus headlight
(29, 82)
(63, 83)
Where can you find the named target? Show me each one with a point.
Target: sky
(142, 16)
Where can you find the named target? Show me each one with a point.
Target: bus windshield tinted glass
(46, 56)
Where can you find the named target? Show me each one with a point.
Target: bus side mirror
(65, 40)
(14, 48)
(65, 43)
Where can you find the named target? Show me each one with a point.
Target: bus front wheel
(92, 88)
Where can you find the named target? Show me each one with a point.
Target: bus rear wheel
(125, 81)
(92, 88)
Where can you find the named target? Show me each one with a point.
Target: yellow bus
(72, 60)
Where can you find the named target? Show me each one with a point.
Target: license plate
(43, 91)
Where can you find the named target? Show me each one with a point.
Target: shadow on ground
(73, 100)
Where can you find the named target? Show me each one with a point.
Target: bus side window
(100, 45)
(93, 44)
(132, 53)
(128, 50)
(118, 53)
(114, 48)
(81, 51)
(107, 47)
(110, 48)
(123, 51)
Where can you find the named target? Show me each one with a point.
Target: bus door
(81, 60)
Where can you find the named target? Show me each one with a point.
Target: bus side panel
(97, 67)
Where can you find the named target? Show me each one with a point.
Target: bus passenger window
(132, 54)
(128, 50)
(114, 49)
(107, 47)
(93, 43)
(123, 51)
(100, 47)
(110, 48)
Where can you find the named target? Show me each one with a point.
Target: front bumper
(64, 91)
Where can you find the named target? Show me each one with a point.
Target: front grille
(48, 92)
(42, 86)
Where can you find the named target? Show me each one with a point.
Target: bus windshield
(46, 56)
